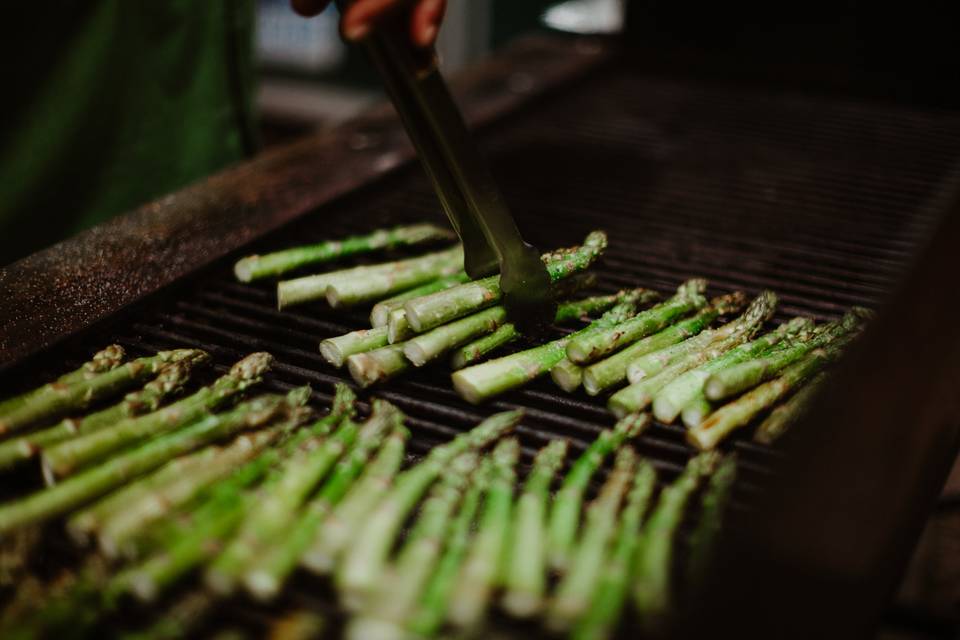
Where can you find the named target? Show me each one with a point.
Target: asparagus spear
(652, 586)
(432, 611)
(379, 314)
(184, 543)
(92, 519)
(566, 312)
(428, 346)
(760, 310)
(738, 378)
(670, 401)
(363, 563)
(478, 576)
(572, 598)
(64, 458)
(587, 348)
(362, 284)
(652, 372)
(207, 467)
(378, 365)
(396, 597)
(704, 536)
(741, 411)
(270, 571)
(273, 264)
(336, 350)
(343, 523)
(784, 416)
(565, 513)
(104, 360)
(57, 399)
(696, 411)
(567, 375)
(612, 371)
(112, 473)
(439, 308)
(170, 380)
(479, 382)
(525, 576)
(611, 591)
(277, 510)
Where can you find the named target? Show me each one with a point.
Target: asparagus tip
(253, 365)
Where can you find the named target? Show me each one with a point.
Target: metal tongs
(463, 183)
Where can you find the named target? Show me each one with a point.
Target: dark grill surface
(820, 200)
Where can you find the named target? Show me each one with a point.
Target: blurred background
(308, 78)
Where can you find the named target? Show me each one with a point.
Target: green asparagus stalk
(66, 457)
(363, 563)
(58, 399)
(671, 399)
(696, 411)
(378, 365)
(396, 597)
(343, 523)
(572, 598)
(567, 375)
(759, 311)
(432, 610)
(278, 508)
(741, 411)
(380, 313)
(612, 371)
(746, 375)
(92, 519)
(120, 528)
(170, 380)
(428, 346)
(652, 372)
(433, 310)
(525, 573)
(337, 350)
(373, 282)
(565, 513)
(184, 543)
(705, 534)
(587, 348)
(566, 312)
(652, 585)
(96, 481)
(479, 382)
(274, 264)
(398, 328)
(270, 571)
(101, 362)
(481, 568)
(610, 595)
(784, 416)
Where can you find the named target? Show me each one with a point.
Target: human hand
(356, 21)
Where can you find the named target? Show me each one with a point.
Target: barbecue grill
(825, 199)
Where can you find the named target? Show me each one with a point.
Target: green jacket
(116, 102)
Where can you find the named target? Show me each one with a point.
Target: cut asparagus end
(398, 328)
(244, 267)
(590, 383)
(364, 628)
(332, 353)
(704, 439)
(219, 582)
(521, 604)
(261, 585)
(318, 562)
(142, 586)
(695, 413)
(467, 389)
(567, 375)
(416, 354)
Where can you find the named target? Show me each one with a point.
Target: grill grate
(820, 200)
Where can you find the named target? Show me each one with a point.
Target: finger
(360, 16)
(309, 8)
(425, 22)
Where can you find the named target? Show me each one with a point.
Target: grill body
(822, 199)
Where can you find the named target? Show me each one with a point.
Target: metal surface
(823, 200)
